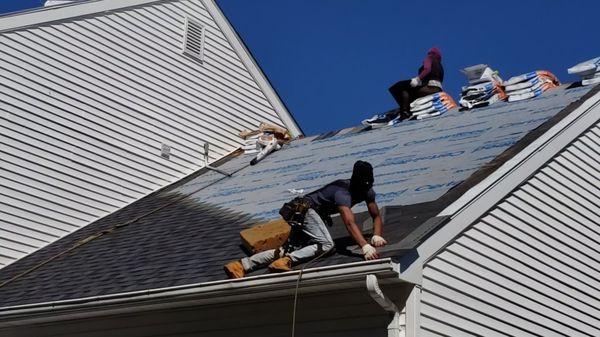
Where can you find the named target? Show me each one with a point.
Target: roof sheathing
(189, 241)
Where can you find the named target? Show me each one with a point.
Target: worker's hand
(378, 241)
(415, 82)
(370, 252)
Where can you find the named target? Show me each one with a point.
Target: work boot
(234, 269)
(281, 265)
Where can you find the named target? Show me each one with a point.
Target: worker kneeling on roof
(315, 210)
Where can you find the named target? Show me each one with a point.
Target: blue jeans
(313, 227)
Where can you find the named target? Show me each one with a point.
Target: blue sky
(332, 60)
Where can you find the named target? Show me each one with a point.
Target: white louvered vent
(193, 41)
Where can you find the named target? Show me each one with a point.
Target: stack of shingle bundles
(485, 87)
(589, 71)
(251, 144)
(529, 85)
(431, 105)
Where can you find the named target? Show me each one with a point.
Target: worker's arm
(417, 80)
(426, 67)
(377, 240)
(350, 222)
(377, 221)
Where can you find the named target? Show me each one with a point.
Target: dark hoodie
(432, 67)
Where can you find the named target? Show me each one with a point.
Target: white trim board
(485, 195)
(253, 67)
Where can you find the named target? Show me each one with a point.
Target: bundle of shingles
(264, 140)
(431, 105)
(485, 87)
(589, 71)
(529, 85)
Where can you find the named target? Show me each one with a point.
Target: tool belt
(295, 210)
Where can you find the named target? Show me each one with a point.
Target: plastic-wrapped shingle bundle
(529, 85)
(485, 87)
(589, 71)
(431, 105)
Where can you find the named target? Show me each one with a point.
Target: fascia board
(482, 197)
(346, 276)
(253, 67)
(63, 12)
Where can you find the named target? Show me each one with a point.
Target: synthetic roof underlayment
(184, 233)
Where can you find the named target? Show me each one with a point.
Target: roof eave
(345, 276)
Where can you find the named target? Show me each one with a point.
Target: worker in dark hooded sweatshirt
(428, 81)
(336, 197)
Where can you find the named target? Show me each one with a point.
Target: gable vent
(193, 41)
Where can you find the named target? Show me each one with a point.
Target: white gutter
(396, 328)
(319, 279)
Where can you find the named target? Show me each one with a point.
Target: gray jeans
(313, 227)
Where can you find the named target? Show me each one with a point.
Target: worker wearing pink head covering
(428, 81)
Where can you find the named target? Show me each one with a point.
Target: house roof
(184, 233)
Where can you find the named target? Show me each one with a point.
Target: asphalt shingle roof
(193, 227)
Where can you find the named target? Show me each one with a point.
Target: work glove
(416, 81)
(378, 241)
(370, 252)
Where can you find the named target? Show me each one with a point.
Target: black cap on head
(362, 176)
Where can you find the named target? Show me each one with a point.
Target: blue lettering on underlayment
(320, 175)
(283, 169)
(486, 157)
(331, 145)
(306, 176)
(419, 169)
(433, 187)
(267, 214)
(386, 182)
(363, 153)
(384, 197)
(466, 169)
(531, 121)
(293, 158)
(505, 143)
(451, 137)
(413, 158)
(236, 190)
(231, 202)
(506, 135)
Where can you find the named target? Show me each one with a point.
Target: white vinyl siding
(87, 104)
(530, 266)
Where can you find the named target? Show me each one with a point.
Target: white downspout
(396, 328)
